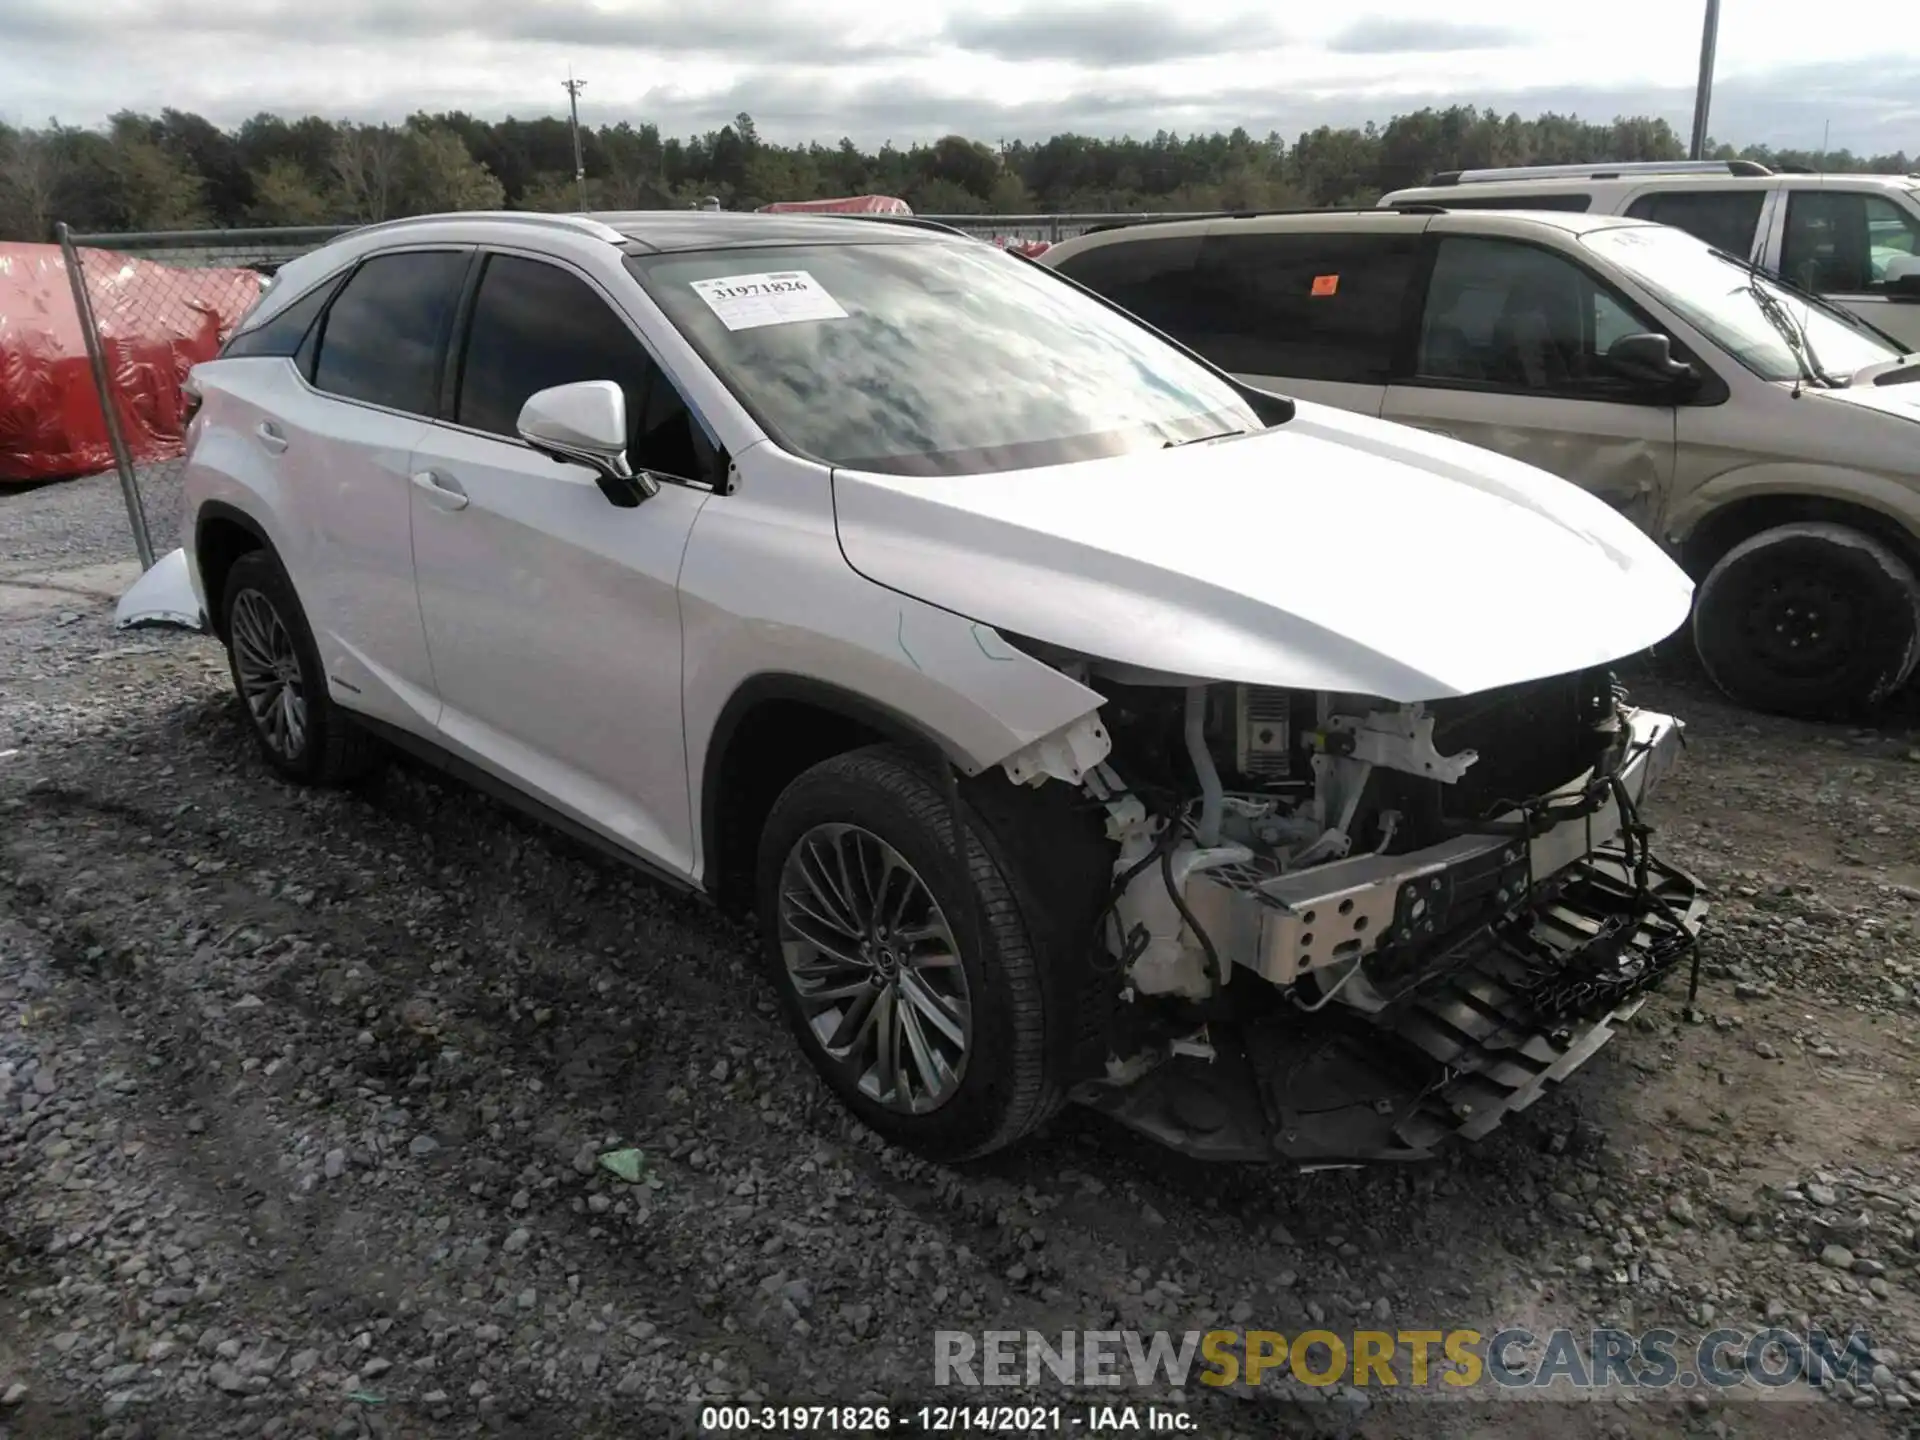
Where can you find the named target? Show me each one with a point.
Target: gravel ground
(301, 1094)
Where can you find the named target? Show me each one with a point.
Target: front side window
(1840, 242)
(928, 356)
(1725, 219)
(1746, 314)
(535, 326)
(1515, 317)
(1307, 306)
(382, 340)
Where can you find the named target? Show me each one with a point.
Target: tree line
(177, 170)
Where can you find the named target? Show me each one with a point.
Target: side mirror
(586, 423)
(1903, 277)
(1649, 359)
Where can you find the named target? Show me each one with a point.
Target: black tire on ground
(1012, 1076)
(1812, 619)
(329, 748)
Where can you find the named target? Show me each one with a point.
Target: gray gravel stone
(446, 985)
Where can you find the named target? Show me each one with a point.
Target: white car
(1078, 722)
(1853, 238)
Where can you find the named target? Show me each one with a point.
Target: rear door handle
(442, 491)
(271, 437)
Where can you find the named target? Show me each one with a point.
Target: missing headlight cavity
(1297, 868)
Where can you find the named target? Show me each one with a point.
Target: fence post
(97, 362)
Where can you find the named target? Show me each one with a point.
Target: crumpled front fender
(165, 595)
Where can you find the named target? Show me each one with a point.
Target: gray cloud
(1385, 36)
(1136, 32)
(801, 80)
(1871, 106)
(669, 27)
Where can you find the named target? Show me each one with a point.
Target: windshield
(933, 357)
(1749, 316)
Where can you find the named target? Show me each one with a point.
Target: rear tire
(864, 908)
(276, 673)
(1814, 620)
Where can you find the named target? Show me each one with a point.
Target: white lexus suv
(1077, 722)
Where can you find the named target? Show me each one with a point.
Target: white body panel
(328, 486)
(755, 551)
(1251, 560)
(553, 624)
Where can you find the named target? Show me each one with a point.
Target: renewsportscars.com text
(1772, 1360)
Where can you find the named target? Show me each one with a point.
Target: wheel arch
(222, 533)
(1716, 532)
(773, 727)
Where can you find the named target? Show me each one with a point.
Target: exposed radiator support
(1212, 794)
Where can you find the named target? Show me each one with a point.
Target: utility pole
(574, 87)
(1703, 96)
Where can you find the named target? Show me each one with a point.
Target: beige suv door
(1510, 355)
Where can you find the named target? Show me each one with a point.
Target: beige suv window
(1516, 317)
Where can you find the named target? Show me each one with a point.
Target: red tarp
(853, 205)
(156, 323)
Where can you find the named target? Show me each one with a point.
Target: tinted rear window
(1725, 219)
(382, 340)
(1309, 306)
(1151, 277)
(1303, 306)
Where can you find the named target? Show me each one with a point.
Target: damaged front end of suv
(1362, 797)
(1343, 930)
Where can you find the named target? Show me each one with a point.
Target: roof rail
(1409, 207)
(1601, 171)
(580, 224)
(917, 222)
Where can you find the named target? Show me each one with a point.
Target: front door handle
(442, 491)
(271, 438)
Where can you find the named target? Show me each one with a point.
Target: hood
(1901, 399)
(1334, 552)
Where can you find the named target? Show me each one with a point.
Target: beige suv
(1854, 239)
(1770, 440)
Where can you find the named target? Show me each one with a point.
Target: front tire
(912, 983)
(276, 673)
(1813, 620)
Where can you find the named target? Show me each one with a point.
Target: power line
(574, 87)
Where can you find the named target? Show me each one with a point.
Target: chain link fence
(154, 305)
(151, 307)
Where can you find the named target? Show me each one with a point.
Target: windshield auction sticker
(748, 302)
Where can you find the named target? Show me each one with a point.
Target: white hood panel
(1335, 552)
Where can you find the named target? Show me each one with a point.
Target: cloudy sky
(995, 69)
